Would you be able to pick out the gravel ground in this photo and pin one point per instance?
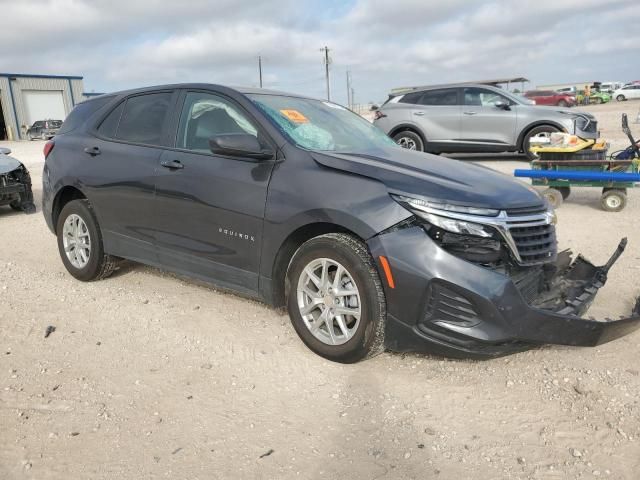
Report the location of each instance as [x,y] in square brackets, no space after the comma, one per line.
[148,375]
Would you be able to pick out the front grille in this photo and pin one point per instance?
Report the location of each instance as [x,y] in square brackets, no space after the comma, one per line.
[515,212]
[535,244]
[445,305]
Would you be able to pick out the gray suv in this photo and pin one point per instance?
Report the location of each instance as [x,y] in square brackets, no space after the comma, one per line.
[473,118]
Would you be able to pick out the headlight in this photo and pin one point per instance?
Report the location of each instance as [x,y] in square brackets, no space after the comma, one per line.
[436,214]
[456,226]
[445,207]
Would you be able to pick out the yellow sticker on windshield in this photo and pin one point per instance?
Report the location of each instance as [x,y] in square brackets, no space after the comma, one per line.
[295,116]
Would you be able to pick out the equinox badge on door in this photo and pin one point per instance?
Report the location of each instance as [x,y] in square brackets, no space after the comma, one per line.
[232,233]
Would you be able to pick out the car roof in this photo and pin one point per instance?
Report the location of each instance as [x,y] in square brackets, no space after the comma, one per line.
[399,92]
[206,86]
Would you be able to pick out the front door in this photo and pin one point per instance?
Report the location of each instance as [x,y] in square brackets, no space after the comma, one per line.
[210,208]
[485,121]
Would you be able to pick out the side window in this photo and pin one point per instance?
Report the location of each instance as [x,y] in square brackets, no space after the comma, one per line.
[205,115]
[82,112]
[143,118]
[413,98]
[444,97]
[481,97]
[109,125]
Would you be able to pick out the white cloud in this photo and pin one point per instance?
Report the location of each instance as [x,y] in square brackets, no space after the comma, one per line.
[126,43]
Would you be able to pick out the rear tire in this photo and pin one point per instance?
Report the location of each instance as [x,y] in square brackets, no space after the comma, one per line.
[409,140]
[620,98]
[81,249]
[565,191]
[532,133]
[554,197]
[349,268]
[613,199]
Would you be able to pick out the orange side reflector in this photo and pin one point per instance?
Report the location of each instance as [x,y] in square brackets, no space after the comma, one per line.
[387,271]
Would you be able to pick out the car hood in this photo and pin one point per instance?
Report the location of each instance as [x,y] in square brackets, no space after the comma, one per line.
[8,164]
[558,111]
[433,177]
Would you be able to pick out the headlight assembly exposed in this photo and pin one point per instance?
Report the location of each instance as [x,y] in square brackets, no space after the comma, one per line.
[424,209]
[456,226]
[419,204]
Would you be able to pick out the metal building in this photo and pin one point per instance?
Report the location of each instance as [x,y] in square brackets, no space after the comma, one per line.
[26,98]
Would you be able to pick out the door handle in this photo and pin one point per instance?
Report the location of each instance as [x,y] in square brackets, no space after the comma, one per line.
[419,113]
[470,113]
[93,151]
[172,164]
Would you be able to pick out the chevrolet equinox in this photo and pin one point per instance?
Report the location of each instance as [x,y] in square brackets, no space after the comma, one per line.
[301,203]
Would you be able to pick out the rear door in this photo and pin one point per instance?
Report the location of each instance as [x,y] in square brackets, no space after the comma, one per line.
[485,123]
[437,113]
[123,161]
[210,207]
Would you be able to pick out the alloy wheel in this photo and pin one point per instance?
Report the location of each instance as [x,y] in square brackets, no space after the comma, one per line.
[76,241]
[407,142]
[329,301]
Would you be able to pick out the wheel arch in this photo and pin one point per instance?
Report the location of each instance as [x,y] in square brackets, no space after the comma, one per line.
[403,127]
[541,123]
[289,246]
[65,195]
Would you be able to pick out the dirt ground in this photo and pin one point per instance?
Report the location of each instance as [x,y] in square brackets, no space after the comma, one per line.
[152,376]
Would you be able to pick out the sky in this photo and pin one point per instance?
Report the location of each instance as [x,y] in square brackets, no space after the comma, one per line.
[119,44]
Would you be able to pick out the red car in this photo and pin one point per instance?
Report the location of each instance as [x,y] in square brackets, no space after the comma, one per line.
[549,97]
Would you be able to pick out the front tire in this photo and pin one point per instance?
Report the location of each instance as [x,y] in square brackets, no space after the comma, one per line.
[80,243]
[620,98]
[335,298]
[409,140]
[548,129]
[562,104]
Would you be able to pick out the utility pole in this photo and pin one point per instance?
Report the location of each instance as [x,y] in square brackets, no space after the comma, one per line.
[260,69]
[326,69]
[349,100]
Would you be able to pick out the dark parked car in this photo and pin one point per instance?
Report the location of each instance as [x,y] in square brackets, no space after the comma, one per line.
[15,183]
[300,202]
[44,129]
[549,97]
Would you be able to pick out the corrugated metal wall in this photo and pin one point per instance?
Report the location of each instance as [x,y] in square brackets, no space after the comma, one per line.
[72,93]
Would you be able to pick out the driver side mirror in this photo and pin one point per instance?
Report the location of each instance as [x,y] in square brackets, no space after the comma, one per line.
[5,151]
[502,105]
[374,108]
[239,145]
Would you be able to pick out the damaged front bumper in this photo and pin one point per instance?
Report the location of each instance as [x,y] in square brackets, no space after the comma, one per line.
[15,190]
[445,305]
